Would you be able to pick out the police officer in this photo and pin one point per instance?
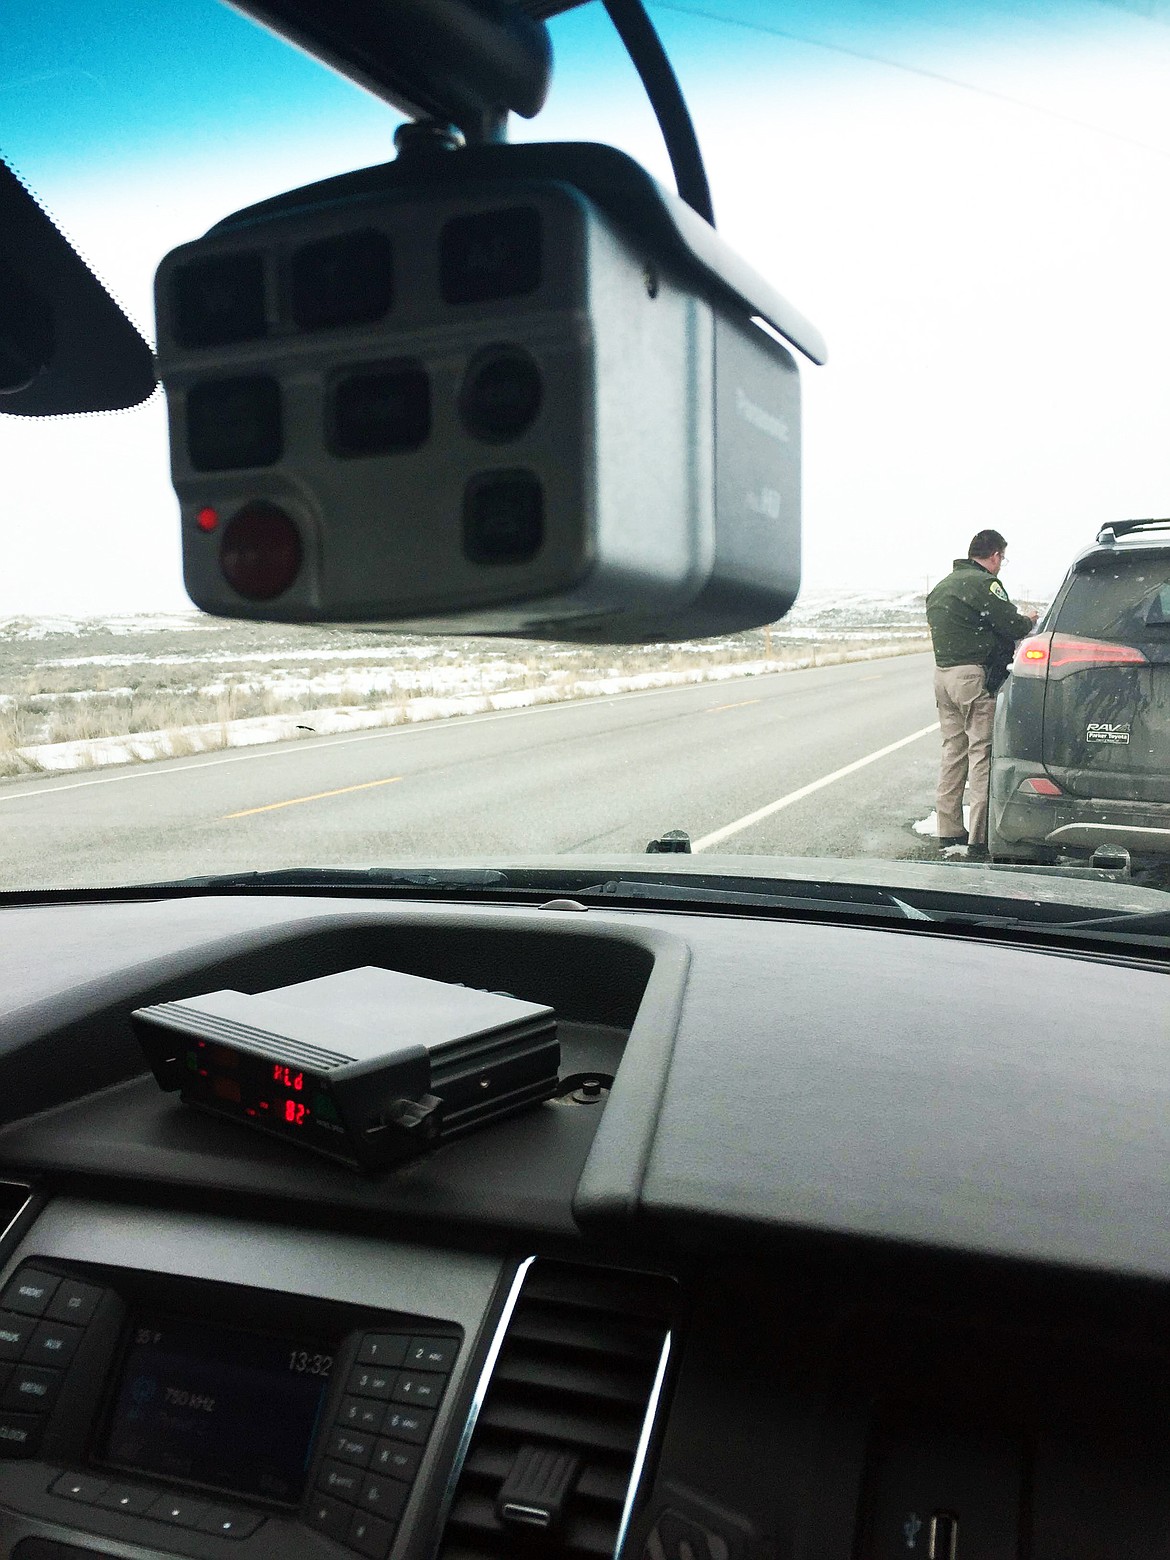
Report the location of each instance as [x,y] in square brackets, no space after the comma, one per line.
[974,628]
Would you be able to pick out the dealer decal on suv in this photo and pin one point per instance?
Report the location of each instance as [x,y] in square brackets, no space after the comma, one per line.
[1107,731]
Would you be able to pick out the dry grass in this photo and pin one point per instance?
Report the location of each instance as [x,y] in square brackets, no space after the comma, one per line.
[70,687]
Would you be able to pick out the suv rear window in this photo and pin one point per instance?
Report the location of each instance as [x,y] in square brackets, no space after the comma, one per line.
[1121,599]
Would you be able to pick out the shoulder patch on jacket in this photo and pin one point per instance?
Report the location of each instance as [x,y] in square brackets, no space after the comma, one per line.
[998,590]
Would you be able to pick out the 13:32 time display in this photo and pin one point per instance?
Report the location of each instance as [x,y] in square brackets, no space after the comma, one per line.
[304,1363]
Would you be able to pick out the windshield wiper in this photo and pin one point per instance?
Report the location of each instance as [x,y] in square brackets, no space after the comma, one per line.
[878,901]
[346,877]
[798,894]
[931,907]
[1155,921]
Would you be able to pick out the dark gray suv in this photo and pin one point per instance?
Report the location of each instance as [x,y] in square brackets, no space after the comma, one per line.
[1081,750]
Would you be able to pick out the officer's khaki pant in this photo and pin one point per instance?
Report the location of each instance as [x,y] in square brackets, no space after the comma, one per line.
[965,712]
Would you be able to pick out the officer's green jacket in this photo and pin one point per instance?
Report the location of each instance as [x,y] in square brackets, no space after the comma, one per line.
[972,622]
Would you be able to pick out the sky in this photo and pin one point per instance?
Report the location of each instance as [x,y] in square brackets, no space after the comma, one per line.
[970,202]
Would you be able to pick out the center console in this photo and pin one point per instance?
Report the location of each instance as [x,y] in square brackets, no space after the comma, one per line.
[253,1393]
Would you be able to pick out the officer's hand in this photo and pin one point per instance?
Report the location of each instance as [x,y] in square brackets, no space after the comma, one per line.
[1033,615]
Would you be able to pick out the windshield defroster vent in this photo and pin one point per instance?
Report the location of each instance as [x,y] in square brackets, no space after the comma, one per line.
[562,1433]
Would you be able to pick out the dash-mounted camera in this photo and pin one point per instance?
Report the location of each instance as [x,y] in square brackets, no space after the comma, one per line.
[499,390]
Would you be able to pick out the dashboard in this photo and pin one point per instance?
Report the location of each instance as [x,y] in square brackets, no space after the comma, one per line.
[837,1241]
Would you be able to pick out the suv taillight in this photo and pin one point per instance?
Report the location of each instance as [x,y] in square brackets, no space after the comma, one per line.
[1032,655]
[1059,655]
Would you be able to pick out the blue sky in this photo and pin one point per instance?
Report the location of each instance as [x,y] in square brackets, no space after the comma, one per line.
[968,201]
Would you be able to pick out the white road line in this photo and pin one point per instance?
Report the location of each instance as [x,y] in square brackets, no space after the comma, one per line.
[717,836]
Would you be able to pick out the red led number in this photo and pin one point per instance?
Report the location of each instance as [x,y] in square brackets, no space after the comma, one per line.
[286,1076]
[295,1113]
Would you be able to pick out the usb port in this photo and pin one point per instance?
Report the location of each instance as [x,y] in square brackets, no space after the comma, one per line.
[943,1542]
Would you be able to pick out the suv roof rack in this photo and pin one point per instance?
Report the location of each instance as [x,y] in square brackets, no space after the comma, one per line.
[1116,529]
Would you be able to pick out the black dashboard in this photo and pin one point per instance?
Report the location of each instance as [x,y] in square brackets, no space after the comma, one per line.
[854,1248]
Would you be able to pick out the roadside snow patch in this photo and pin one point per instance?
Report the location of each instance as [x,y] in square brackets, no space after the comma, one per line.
[142,747]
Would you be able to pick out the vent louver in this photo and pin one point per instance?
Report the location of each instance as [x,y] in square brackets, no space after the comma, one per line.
[575,1376]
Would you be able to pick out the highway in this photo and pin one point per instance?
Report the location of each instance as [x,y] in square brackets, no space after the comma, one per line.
[829,761]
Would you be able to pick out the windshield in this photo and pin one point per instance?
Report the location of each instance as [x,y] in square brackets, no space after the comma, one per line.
[969,203]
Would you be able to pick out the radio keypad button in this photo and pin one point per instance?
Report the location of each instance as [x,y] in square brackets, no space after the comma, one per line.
[432,1353]
[230,1524]
[385,1496]
[127,1497]
[329,1517]
[348,1446]
[52,1343]
[78,1486]
[15,1332]
[372,1381]
[20,1434]
[178,1511]
[30,1292]
[419,1387]
[408,1424]
[74,1302]
[396,1458]
[30,1389]
[387,1349]
[370,1536]
[361,1414]
[340,1479]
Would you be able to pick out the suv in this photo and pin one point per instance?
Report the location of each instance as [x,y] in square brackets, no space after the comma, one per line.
[1081,749]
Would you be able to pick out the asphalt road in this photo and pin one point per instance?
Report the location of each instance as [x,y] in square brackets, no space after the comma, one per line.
[749,766]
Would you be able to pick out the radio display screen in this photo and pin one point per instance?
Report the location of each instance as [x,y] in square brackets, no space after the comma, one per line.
[226,1409]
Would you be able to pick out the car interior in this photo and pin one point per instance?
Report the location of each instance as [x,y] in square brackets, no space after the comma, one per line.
[446,1214]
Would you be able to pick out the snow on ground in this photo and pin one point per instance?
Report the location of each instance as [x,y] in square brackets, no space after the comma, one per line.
[186,674]
[258,657]
[98,752]
[79,627]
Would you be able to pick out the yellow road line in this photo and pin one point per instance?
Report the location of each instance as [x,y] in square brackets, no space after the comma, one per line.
[317,796]
[715,708]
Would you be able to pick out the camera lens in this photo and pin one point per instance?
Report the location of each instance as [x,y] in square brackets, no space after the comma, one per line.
[501,394]
[219,300]
[495,254]
[503,517]
[260,554]
[233,423]
[381,411]
[347,280]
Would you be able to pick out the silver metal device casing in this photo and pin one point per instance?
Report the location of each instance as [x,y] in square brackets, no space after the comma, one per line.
[633,446]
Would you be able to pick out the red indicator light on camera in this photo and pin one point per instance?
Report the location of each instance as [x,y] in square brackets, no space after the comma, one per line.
[207,519]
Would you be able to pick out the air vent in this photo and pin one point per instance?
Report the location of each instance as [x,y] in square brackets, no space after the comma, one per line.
[571,1400]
